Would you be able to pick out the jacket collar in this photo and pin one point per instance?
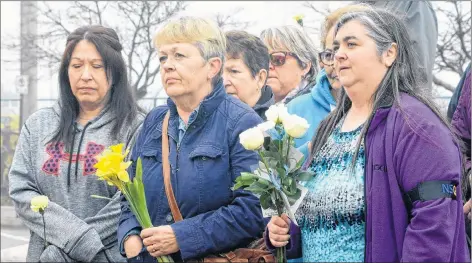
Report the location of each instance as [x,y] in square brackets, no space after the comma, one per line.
[266,99]
[382,111]
[209,105]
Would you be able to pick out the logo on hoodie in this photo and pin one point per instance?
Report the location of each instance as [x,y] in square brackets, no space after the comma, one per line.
[56,155]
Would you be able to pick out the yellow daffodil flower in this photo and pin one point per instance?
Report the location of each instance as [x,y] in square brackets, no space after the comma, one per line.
[39,203]
[299,19]
[111,166]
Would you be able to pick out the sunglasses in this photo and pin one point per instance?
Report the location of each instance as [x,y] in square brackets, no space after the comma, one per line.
[278,58]
[327,57]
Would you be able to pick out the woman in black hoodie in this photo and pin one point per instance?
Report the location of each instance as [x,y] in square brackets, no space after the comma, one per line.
[246,69]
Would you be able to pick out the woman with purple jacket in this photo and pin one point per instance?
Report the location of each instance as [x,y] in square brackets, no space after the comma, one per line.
[385,160]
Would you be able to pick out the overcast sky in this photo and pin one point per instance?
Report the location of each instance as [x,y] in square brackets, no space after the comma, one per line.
[262,14]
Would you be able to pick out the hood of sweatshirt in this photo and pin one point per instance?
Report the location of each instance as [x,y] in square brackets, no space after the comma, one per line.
[321,93]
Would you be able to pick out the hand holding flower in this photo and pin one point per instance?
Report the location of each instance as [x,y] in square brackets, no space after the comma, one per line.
[160,241]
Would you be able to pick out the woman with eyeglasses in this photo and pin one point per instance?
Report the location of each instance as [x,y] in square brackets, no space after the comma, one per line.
[317,104]
[387,166]
[293,65]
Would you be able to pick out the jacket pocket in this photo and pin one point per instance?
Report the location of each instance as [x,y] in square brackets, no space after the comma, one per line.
[211,166]
[152,149]
[205,151]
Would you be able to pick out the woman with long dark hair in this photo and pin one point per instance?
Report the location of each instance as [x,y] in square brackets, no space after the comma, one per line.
[59,145]
[385,160]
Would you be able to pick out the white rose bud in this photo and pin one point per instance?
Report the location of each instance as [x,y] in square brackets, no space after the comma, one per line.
[295,126]
[265,126]
[251,139]
[276,113]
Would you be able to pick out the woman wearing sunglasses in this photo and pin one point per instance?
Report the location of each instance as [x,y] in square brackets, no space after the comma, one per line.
[293,64]
[317,104]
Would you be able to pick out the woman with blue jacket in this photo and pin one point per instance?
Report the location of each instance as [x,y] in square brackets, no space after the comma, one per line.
[317,104]
[205,154]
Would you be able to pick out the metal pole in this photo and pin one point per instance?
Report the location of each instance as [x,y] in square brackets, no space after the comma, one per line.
[28,61]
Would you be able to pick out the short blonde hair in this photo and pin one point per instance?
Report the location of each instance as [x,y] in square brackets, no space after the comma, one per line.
[293,39]
[203,33]
[331,19]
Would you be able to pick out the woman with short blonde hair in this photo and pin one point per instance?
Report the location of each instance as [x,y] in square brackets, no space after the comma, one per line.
[205,155]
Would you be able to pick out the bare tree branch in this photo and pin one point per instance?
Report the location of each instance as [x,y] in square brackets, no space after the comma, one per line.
[228,21]
[443,84]
[134,21]
[453,48]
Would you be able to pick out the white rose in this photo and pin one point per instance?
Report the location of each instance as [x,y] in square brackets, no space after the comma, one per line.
[295,126]
[276,113]
[251,139]
[265,126]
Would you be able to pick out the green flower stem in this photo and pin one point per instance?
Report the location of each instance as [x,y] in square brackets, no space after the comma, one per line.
[41,211]
[288,149]
[287,206]
[280,252]
[264,161]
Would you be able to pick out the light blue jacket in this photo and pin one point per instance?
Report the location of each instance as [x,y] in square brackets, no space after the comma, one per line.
[313,107]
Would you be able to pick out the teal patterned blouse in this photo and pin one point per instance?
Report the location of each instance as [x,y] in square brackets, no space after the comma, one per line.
[331,216]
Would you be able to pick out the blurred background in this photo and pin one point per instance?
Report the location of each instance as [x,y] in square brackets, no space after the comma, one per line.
[33,36]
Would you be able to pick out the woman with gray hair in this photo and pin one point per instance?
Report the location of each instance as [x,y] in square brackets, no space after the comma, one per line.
[386,163]
[293,62]
[203,150]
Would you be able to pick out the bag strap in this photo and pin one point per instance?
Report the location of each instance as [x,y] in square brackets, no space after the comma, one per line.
[174,208]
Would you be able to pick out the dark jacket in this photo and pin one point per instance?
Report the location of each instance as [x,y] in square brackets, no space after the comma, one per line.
[203,170]
[404,147]
[265,101]
[455,96]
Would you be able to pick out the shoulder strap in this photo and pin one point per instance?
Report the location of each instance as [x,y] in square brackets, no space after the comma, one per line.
[166,171]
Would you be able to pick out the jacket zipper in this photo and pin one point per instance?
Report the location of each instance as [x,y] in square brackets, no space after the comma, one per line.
[365,197]
[365,186]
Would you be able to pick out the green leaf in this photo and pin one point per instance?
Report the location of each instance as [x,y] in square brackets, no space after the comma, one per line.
[101,197]
[139,170]
[304,176]
[273,154]
[265,200]
[281,173]
[244,180]
[273,163]
[256,189]
[294,197]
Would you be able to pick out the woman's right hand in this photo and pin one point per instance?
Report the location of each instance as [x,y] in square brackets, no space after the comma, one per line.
[133,246]
[278,228]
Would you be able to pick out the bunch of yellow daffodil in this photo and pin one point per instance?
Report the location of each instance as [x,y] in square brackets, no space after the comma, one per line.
[112,168]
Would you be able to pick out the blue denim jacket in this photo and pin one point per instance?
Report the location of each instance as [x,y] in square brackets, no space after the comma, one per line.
[203,170]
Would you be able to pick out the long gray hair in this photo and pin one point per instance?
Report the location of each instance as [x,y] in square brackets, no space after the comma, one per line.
[403,76]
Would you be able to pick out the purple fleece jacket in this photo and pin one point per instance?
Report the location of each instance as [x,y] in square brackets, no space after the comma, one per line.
[405,146]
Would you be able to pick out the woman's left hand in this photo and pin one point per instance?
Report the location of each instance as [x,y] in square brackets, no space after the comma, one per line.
[160,241]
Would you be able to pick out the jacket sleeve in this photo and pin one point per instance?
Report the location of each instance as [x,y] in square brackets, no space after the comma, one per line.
[106,220]
[436,229]
[127,221]
[294,245]
[238,223]
[64,230]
